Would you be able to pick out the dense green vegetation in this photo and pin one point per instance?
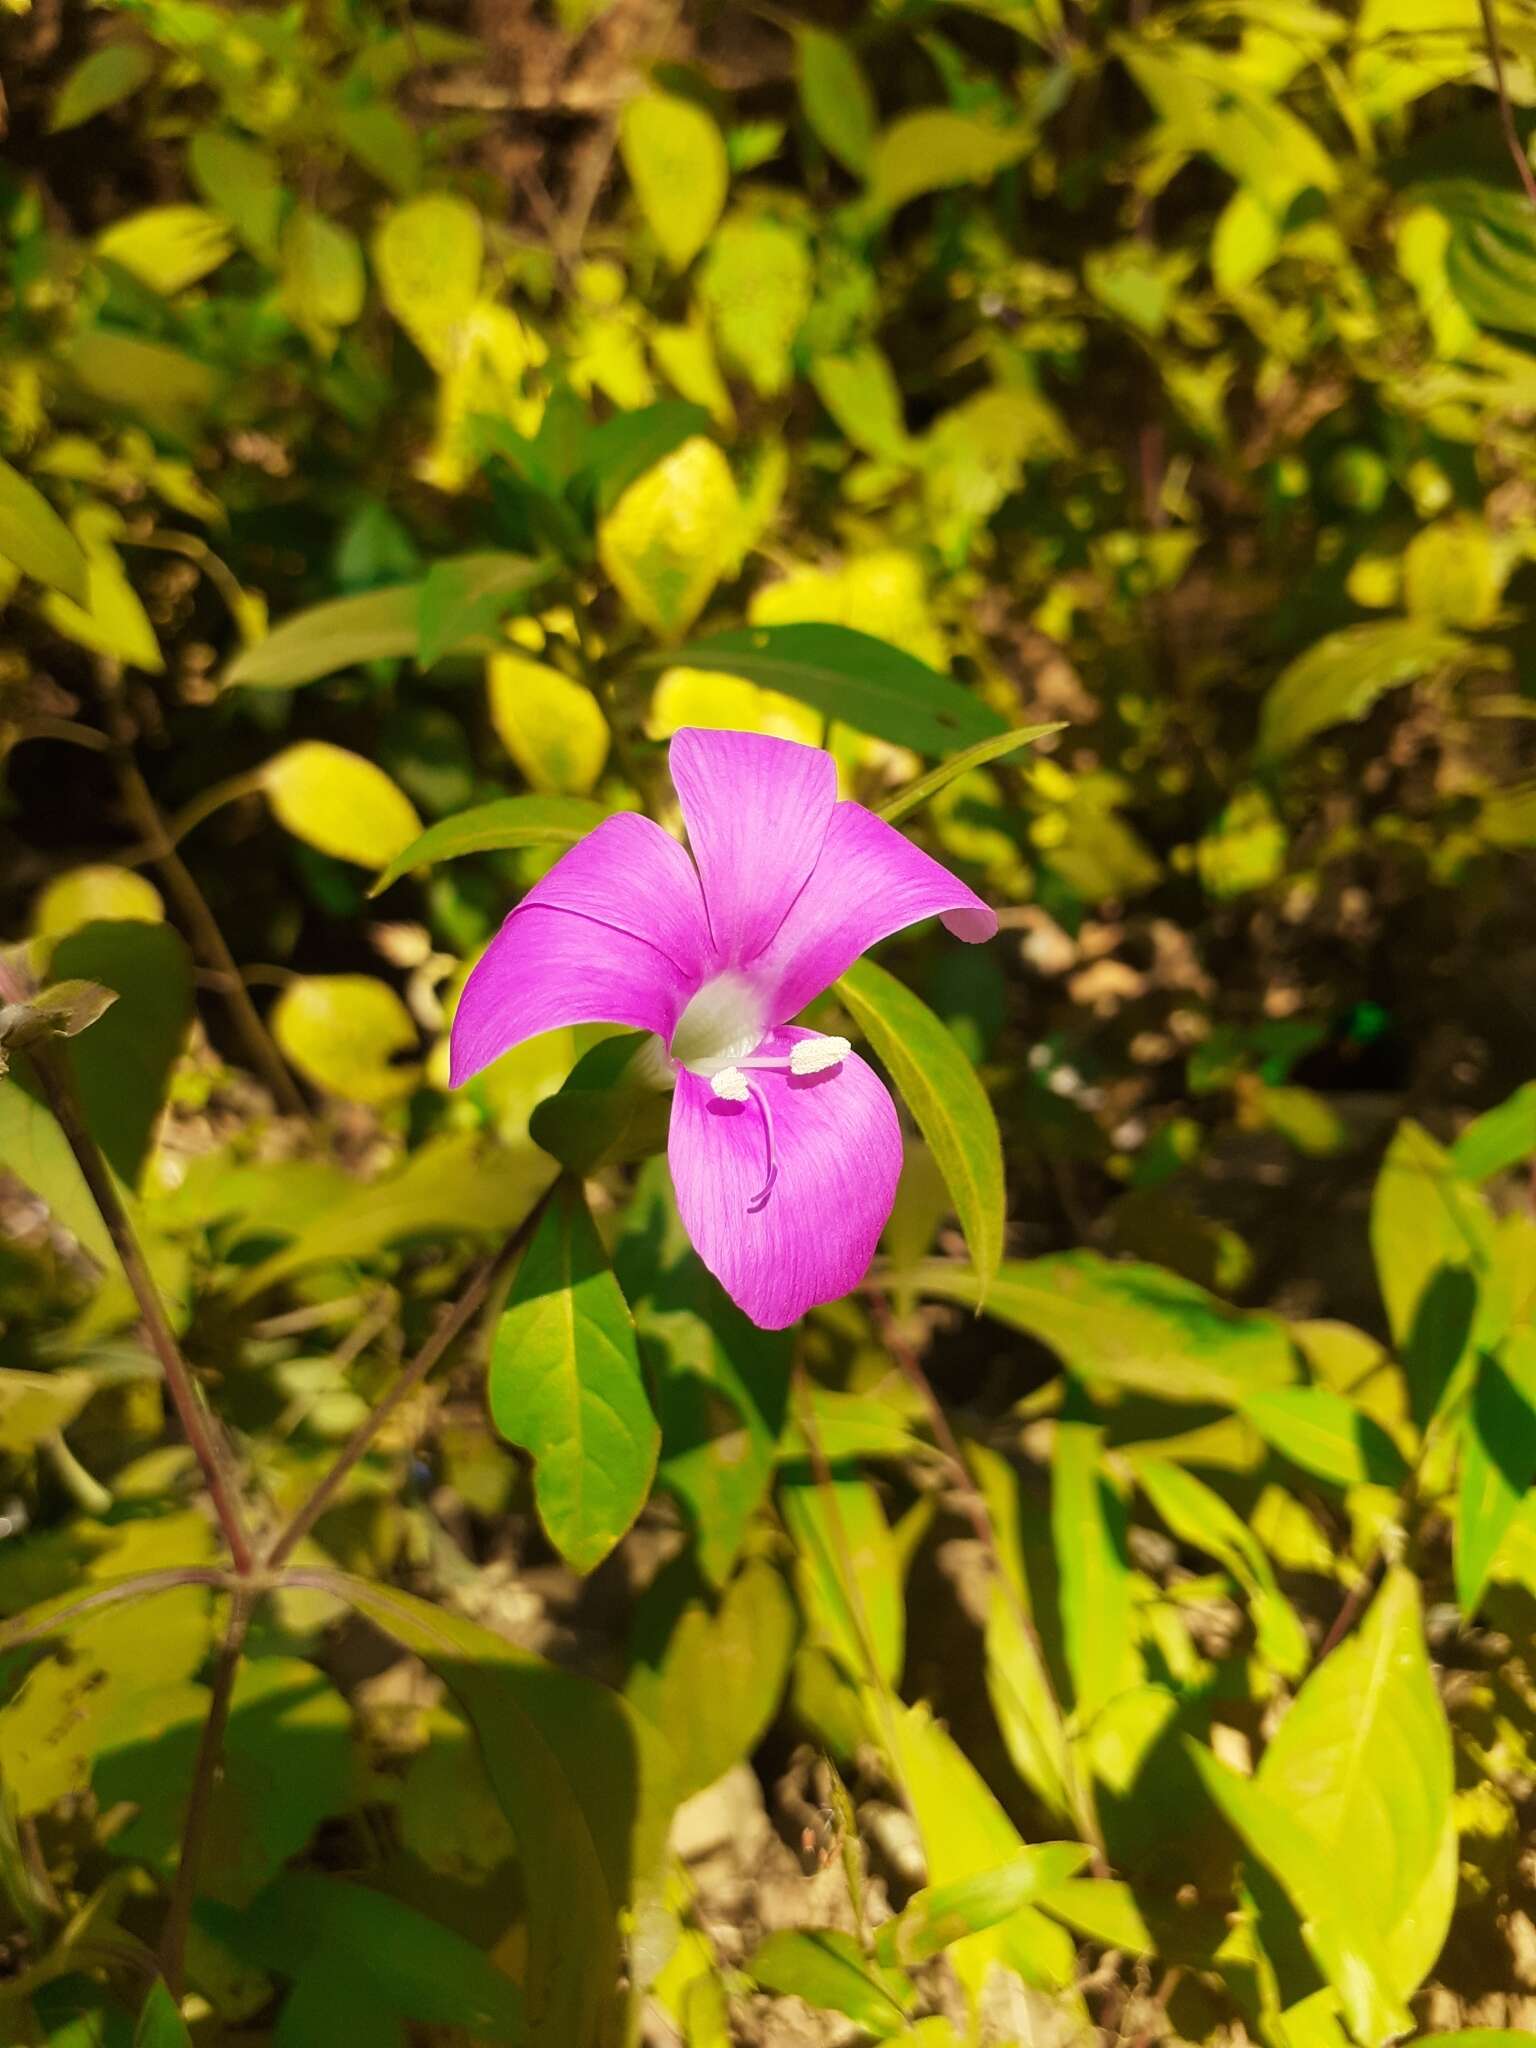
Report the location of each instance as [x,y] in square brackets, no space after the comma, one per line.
[436,1613]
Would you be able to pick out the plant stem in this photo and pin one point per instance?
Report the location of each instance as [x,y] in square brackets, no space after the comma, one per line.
[1506,111]
[192,907]
[194,1833]
[198,1426]
[451,1326]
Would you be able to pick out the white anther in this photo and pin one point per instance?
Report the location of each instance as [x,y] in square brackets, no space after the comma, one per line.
[730,1084]
[815,1055]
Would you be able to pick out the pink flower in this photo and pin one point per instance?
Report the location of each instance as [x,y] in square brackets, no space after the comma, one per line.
[784,1146]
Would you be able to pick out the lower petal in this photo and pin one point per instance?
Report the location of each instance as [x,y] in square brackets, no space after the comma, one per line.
[836,1157]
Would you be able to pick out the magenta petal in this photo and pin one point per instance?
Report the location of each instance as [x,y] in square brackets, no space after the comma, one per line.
[837,1157]
[629,874]
[615,933]
[757,811]
[869,882]
[545,968]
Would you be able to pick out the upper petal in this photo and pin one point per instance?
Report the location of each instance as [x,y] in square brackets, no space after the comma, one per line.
[757,811]
[837,1158]
[615,933]
[631,875]
[869,882]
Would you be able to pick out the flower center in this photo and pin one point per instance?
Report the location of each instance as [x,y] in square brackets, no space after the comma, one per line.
[723,1022]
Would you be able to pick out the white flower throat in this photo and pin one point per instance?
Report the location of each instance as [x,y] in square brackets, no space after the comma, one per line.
[717,1038]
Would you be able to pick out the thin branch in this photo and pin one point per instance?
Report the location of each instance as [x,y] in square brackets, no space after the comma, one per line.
[1506,111]
[205,1772]
[199,1427]
[192,907]
[451,1326]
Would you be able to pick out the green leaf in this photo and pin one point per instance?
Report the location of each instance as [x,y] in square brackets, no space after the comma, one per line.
[1342,675]
[468,595]
[323,284]
[1424,1218]
[827,1969]
[718,1675]
[1325,1434]
[1499,1139]
[561,1754]
[556,821]
[1088,1533]
[1363,1763]
[935,148]
[1197,1515]
[1327,1902]
[940,1087]
[244,184]
[625,447]
[35,540]
[166,247]
[123,1064]
[1498,1462]
[33,1405]
[342,633]
[565,1386]
[859,389]
[849,676]
[917,793]
[1490,256]
[100,80]
[840,1528]
[160,2022]
[934,1919]
[305,1924]
[835,96]
[676,160]
[37,1152]
[287,1752]
[604,1112]
[1123,1324]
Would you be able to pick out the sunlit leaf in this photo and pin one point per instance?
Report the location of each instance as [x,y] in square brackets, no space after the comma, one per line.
[339,802]
[35,539]
[346,1033]
[1342,675]
[565,1386]
[555,821]
[941,1089]
[103,78]
[827,1969]
[851,676]
[835,96]
[675,157]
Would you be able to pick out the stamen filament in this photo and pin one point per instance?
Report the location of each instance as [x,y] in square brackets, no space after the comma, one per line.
[771,1168]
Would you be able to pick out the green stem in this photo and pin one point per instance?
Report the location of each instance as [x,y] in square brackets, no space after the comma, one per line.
[194,1834]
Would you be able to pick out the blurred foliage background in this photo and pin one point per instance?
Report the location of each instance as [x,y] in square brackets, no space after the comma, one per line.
[410,415]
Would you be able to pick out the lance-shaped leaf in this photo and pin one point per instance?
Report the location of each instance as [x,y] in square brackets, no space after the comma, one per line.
[850,676]
[564,1760]
[916,794]
[35,539]
[940,1087]
[507,821]
[935,1918]
[827,1969]
[1088,1527]
[160,2022]
[1363,1763]
[1317,1429]
[1198,1516]
[565,1385]
[1498,1462]
[1345,1947]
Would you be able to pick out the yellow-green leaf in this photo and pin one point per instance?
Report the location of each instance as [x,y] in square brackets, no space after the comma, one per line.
[35,540]
[166,247]
[85,895]
[675,157]
[339,802]
[553,729]
[428,256]
[671,537]
[345,1032]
